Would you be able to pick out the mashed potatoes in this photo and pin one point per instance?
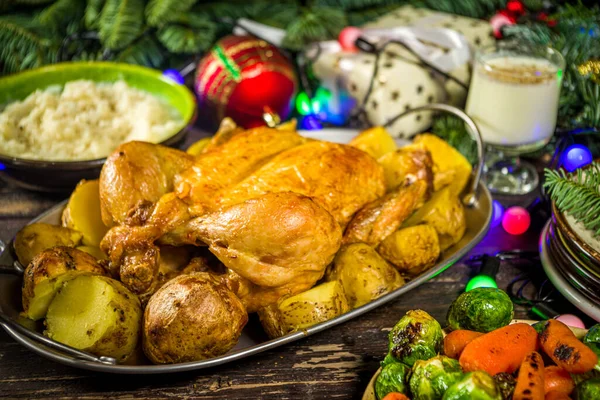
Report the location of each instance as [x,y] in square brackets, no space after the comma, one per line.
[84,121]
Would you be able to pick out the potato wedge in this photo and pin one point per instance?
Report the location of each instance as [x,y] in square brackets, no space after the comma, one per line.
[445,213]
[198,147]
[406,165]
[93,251]
[82,213]
[290,125]
[47,272]
[364,275]
[95,314]
[35,238]
[319,304]
[192,317]
[411,250]
[450,168]
[375,141]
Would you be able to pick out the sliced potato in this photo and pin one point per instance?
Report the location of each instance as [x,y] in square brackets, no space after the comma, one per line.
[95,314]
[83,213]
[93,251]
[198,147]
[364,275]
[35,238]
[445,213]
[449,166]
[411,250]
[46,274]
[192,317]
[375,141]
[288,125]
[406,165]
[319,304]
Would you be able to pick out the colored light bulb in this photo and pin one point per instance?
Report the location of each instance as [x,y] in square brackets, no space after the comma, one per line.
[303,105]
[576,156]
[480,281]
[497,212]
[571,320]
[310,123]
[516,220]
[174,75]
[347,37]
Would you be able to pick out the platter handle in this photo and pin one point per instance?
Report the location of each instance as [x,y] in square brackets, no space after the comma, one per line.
[470,198]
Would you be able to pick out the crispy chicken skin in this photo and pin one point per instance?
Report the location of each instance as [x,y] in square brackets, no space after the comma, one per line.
[134,177]
[340,178]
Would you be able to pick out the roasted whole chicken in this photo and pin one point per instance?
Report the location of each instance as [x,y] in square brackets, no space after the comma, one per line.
[270,204]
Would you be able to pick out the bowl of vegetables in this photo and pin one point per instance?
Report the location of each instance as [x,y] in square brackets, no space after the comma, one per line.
[485,354]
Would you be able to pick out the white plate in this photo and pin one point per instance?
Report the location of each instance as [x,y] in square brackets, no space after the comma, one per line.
[561,284]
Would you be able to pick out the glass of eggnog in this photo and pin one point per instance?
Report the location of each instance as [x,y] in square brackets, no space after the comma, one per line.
[513,99]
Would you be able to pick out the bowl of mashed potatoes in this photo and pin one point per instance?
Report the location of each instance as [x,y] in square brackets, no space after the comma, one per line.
[59,123]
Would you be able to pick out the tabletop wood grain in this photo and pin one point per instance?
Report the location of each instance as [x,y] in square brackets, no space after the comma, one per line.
[337,363]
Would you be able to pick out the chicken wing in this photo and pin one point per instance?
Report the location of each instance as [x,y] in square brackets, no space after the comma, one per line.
[380,218]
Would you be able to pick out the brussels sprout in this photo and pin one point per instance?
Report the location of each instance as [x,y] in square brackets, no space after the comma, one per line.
[588,390]
[592,339]
[417,336]
[539,326]
[431,378]
[476,385]
[481,310]
[506,384]
[389,358]
[392,378]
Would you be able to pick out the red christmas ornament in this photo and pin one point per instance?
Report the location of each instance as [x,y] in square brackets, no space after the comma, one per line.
[515,7]
[243,77]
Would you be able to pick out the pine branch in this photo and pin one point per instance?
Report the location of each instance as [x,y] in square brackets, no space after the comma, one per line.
[358,4]
[145,51]
[24,44]
[121,22]
[160,12]
[188,33]
[58,16]
[468,8]
[362,16]
[318,23]
[93,9]
[577,193]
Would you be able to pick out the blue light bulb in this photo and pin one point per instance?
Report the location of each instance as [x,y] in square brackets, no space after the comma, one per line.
[174,75]
[576,156]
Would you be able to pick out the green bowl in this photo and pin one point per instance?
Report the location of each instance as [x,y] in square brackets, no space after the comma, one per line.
[61,176]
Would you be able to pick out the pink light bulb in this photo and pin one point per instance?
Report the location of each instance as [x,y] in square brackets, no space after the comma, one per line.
[516,220]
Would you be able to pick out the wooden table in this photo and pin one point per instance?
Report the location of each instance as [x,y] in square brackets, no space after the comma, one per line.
[337,363]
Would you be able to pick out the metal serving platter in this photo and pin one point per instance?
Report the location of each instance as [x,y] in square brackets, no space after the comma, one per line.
[253,340]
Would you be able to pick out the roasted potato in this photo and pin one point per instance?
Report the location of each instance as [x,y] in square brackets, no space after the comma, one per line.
[35,238]
[319,304]
[411,250]
[47,272]
[364,275]
[406,165]
[446,214]
[192,317]
[450,168]
[95,314]
[198,147]
[375,141]
[82,213]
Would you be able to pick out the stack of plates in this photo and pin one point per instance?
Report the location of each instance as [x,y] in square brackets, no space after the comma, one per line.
[572,263]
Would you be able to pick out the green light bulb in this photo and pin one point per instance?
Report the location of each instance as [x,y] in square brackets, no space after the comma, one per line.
[481,281]
[303,104]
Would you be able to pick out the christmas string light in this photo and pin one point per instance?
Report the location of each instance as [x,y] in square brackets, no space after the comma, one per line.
[576,156]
